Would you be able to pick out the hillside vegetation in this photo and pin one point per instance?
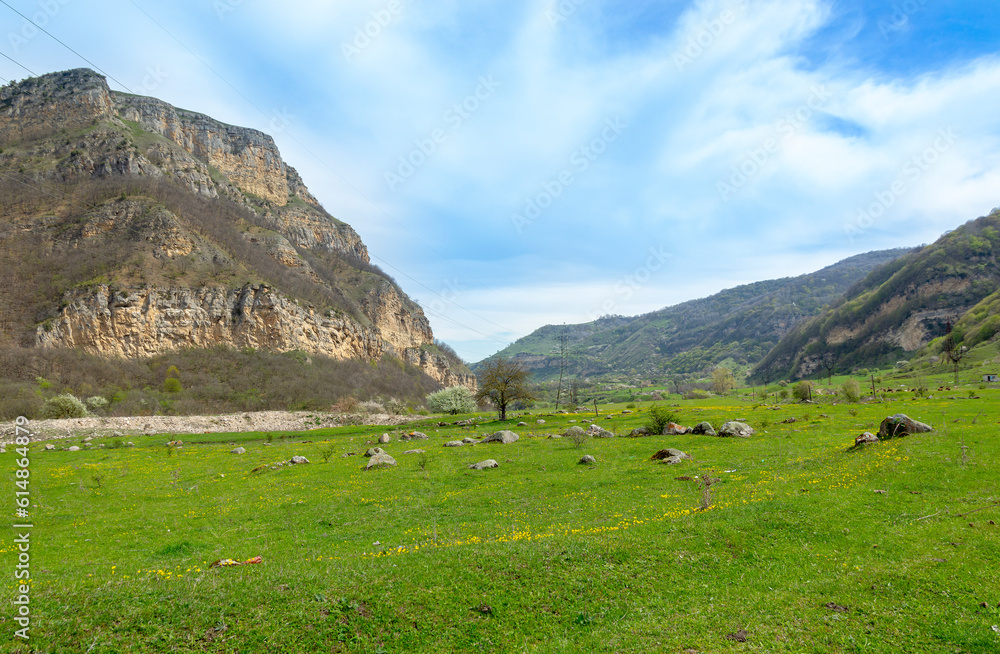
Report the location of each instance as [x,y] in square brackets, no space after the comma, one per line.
[740,325]
[900,307]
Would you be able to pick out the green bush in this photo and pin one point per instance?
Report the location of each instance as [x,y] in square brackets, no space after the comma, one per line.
[697,394]
[802,391]
[851,390]
[96,402]
[172,385]
[457,399]
[659,416]
[64,406]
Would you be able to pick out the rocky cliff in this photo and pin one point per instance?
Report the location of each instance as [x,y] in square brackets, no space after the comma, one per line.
[199,233]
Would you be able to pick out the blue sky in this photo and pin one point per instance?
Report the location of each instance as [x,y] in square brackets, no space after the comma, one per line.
[528,162]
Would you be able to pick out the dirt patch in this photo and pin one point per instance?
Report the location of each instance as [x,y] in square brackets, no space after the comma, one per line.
[238,422]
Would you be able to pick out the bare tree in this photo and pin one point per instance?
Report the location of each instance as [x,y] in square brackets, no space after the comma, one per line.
[953,350]
[502,382]
[829,361]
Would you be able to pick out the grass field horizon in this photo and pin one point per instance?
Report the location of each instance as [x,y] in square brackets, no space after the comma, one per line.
[807,545]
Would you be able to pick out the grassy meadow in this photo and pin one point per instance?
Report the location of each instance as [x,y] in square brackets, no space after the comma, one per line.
[805,546]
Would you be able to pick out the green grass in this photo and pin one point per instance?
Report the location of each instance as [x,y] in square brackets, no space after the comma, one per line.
[539,555]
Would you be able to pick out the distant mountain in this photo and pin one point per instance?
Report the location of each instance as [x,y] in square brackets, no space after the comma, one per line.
[900,307]
[738,325]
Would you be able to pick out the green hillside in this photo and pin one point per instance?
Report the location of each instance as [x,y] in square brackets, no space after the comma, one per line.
[739,325]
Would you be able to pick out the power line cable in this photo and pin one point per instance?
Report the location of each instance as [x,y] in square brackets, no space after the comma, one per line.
[49,34]
[325,164]
[33,74]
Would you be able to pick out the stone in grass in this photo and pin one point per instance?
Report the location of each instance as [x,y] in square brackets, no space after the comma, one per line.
[414,452]
[673,429]
[703,429]
[552,436]
[74,448]
[454,444]
[638,432]
[575,430]
[483,465]
[670,456]
[901,425]
[469,440]
[736,429]
[382,460]
[50,446]
[374,451]
[297,460]
[506,437]
[587,460]
[599,432]
[414,436]
[522,424]
[865,439]
[384,438]
[238,450]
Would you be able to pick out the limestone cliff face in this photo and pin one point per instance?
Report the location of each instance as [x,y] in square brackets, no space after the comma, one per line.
[62,101]
[143,321]
[81,130]
[249,158]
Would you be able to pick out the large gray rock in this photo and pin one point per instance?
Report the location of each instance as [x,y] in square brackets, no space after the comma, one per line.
[469,440]
[238,450]
[50,446]
[384,438]
[735,429]
[374,451]
[74,448]
[599,432]
[673,429]
[454,444]
[587,460]
[483,465]
[382,460]
[414,436]
[638,432]
[414,452]
[298,460]
[575,430]
[670,455]
[865,439]
[506,437]
[703,429]
[901,425]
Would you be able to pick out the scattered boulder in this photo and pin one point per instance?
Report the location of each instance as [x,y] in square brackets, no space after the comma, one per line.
[573,431]
[238,450]
[638,432]
[414,436]
[74,448]
[130,444]
[789,421]
[599,432]
[297,460]
[454,444]
[540,421]
[381,460]
[704,429]
[483,465]
[736,429]
[865,438]
[522,424]
[673,429]
[414,452]
[50,446]
[469,440]
[901,425]
[384,438]
[374,451]
[551,436]
[587,460]
[670,456]
[506,437]
[627,411]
